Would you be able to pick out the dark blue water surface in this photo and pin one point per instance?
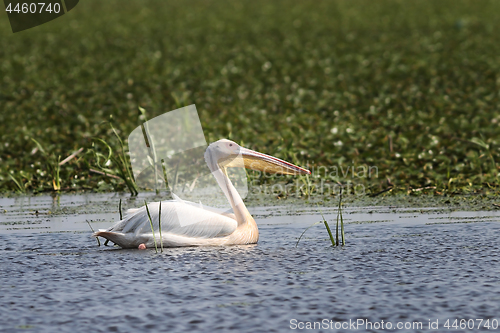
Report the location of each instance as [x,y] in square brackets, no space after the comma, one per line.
[401,267]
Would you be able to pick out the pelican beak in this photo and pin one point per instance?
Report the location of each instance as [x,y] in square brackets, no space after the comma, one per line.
[251,159]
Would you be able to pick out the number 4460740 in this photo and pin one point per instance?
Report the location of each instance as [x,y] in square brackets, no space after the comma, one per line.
[471,324]
[34,8]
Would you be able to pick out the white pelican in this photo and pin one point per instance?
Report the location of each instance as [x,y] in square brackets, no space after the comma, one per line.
[214,227]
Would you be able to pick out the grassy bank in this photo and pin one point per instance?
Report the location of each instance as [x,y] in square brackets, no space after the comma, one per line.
[408,89]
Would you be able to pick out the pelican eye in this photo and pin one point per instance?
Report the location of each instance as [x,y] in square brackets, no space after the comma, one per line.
[230,145]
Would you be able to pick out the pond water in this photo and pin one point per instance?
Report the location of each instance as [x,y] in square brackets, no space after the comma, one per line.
[401,270]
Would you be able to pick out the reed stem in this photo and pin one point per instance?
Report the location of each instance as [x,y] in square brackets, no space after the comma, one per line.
[329,232]
[312,225]
[327,228]
[151,223]
[159,226]
[98,241]
[120,209]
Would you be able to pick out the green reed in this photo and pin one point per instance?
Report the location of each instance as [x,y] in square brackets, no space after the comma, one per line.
[159,227]
[335,241]
[122,169]
[98,241]
[151,223]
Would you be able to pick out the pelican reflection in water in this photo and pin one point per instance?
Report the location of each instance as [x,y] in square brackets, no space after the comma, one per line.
[212,227]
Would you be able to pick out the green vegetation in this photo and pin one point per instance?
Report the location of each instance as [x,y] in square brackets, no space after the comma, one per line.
[410,89]
[121,170]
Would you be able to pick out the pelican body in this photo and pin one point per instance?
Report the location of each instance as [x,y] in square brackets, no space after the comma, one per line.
[213,227]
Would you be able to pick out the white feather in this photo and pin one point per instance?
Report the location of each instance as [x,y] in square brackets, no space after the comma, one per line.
[211,223]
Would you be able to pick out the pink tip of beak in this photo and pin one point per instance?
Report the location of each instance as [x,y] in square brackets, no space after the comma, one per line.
[142,247]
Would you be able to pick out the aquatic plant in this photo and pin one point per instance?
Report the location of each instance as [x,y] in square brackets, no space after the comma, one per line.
[53,165]
[385,94]
[20,188]
[307,188]
[93,231]
[152,157]
[159,227]
[329,231]
[151,223]
[487,148]
[120,209]
[303,232]
[339,214]
[327,226]
[121,218]
[122,169]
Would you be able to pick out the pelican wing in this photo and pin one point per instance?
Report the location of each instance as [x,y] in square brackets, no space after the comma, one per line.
[178,217]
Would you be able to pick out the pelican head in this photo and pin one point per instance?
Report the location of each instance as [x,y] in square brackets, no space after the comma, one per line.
[228,154]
